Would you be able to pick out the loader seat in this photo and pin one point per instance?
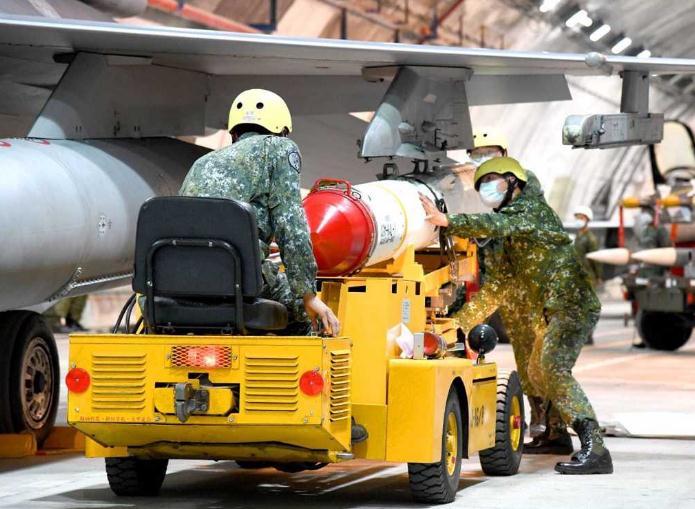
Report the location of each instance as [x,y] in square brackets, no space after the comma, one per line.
[198,264]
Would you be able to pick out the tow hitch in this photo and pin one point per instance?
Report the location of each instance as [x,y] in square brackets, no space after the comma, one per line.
[189,400]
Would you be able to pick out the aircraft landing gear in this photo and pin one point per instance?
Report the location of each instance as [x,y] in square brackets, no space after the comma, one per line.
[29,374]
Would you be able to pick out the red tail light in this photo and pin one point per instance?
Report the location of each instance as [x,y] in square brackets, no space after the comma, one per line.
[311,383]
[435,345]
[185,356]
[77,380]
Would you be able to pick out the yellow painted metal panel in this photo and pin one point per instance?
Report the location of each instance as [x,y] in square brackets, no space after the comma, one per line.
[418,390]
[368,307]
[93,449]
[373,418]
[483,408]
[132,379]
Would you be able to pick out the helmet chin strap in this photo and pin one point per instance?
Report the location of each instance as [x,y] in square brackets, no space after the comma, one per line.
[511,186]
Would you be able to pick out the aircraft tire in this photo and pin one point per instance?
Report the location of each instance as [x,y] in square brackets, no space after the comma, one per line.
[30,362]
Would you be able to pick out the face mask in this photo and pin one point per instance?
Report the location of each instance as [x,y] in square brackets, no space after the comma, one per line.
[490,195]
[578,224]
[480,159]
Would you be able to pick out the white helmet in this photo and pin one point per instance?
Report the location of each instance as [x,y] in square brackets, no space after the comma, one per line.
[585,211]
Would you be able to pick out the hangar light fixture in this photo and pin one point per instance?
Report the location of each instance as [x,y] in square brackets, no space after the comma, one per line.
[621,45]
[581,17]
[645,53]
[549,5]
[600,32]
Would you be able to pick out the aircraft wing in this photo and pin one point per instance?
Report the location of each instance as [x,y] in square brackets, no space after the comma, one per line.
[172,81]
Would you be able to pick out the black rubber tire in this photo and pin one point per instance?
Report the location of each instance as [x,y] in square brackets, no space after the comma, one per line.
[663,331]
[28,332]
[10,322]
[135,477]
[503,459]
[430,483]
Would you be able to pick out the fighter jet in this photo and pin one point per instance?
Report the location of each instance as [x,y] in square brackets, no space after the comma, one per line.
[91,111]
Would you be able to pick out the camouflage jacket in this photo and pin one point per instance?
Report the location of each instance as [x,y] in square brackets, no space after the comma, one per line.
[263,170]
[651,236]
[531,260]
[585,242]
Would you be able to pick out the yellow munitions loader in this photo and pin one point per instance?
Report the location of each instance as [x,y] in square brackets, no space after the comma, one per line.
[208,374]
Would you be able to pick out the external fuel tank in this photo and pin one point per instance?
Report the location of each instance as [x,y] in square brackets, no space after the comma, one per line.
[68,211]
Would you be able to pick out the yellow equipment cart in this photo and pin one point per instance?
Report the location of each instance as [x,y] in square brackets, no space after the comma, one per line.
[198,379]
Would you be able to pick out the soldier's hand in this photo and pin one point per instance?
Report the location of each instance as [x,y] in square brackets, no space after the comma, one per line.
[432,213]
[318,310]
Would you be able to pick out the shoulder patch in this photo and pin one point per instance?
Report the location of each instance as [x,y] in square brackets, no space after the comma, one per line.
[295,160]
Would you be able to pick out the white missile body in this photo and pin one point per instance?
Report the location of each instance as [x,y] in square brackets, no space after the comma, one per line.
[615,256]
[665,256]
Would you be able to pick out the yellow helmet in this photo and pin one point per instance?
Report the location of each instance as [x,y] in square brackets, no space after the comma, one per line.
[489,137]
[260,107]
[500,165]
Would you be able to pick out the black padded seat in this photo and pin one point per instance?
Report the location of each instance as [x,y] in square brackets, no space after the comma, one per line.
[198,264]
[259,314]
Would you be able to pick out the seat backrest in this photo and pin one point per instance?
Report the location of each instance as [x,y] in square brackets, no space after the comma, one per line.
[208,269]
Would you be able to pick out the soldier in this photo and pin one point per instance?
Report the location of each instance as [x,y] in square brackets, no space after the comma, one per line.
[584,243]
[536,255]
[488,143]
[649,235]
[262,167]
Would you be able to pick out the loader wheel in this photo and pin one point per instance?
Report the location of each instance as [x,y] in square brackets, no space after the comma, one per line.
[135,477]
[437,483]
[504,458]
[663,331]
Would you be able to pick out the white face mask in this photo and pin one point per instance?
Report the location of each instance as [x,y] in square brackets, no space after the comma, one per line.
[490,195]
[479,159]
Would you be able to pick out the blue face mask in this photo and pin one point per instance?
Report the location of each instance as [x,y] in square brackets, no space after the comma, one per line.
[490,195]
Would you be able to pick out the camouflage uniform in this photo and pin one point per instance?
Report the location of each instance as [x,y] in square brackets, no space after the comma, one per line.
[543,293]
[650,236]
[585,242]
[263,170]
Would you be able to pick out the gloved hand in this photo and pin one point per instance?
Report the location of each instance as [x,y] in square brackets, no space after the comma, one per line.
[317,309]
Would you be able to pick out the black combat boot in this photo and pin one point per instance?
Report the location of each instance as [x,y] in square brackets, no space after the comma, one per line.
[593,457]
[560,444]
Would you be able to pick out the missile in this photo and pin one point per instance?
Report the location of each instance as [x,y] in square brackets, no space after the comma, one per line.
[615,256]
[69,211]
[359,226]
[665,256]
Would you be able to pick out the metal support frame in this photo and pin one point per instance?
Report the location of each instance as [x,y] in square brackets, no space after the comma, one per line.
[635,93]
[423,114]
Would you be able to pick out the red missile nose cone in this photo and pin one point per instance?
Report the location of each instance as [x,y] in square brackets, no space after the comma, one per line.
[342,231]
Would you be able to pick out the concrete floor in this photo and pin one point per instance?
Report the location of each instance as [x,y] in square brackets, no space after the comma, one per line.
[647,391]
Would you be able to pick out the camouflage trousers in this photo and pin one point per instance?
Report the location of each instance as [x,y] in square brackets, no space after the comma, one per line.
[276,287]
[72,307]
[546,347]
